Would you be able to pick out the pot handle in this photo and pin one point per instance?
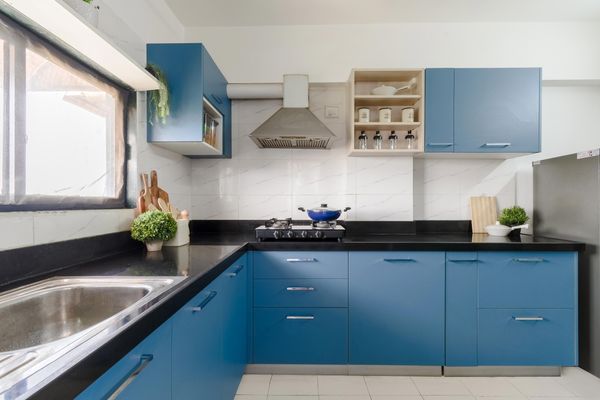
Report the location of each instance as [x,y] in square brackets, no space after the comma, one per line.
[347,209]
[302,209]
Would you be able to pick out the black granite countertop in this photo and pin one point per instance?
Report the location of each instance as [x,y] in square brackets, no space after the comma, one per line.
[210,253]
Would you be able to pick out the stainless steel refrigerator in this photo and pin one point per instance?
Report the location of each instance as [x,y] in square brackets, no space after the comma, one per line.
[566,206]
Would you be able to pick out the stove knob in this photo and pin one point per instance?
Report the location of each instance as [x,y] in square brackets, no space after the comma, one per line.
[303,234]
[289,234]
[318,234]
[277,234]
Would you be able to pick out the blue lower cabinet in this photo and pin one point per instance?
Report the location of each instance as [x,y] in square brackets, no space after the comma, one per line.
[461,308]
[300,264]
[197,346]
[149,364]
[301,293]
[235,326]
[396,308]
[527,337]
[301,335]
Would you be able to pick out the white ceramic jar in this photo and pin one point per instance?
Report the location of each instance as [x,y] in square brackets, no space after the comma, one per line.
[408,114]
[385,115]
[364,114]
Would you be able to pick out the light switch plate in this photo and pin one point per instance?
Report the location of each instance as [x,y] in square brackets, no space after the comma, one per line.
[332,112]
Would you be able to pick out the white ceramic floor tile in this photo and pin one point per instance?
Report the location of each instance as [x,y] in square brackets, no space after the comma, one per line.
[293,385]
[391,385]
[443,397]
[342,385]
[581,383]
[440,386]
[540,386]
[294,397]
[345,397]
[254,384]
[395,397]
[250,397]
[491,387]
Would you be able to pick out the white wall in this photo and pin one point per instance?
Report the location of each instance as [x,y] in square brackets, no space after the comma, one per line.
[19,229]
[328,53]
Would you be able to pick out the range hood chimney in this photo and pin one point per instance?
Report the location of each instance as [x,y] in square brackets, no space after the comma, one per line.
[294,126]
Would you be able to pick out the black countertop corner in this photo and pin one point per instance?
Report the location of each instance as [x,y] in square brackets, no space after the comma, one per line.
[210,253]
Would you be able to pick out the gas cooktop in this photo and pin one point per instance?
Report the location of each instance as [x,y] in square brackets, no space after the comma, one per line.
[284,229]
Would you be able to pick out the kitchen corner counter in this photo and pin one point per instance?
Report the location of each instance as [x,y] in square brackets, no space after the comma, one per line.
[209,255]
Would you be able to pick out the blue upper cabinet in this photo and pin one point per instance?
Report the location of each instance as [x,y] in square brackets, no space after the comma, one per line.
[198,96]
[439,116]
[483,110]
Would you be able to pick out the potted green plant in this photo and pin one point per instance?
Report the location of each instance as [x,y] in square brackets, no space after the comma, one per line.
[513,216]
[158,99]
[153,228]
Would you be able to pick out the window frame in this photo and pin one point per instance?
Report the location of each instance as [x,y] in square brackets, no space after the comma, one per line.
[13,127]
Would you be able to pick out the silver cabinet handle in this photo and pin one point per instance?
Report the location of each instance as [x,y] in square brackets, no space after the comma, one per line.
[399,259]
[462,261]
[293,260]
[496,144]
[529,260]
[129,378]
[528,318]
[236,272]
[205,302]
[300,289]
[440,144]
[300,317]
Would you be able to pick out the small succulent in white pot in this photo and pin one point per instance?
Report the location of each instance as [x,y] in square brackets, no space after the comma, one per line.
[153,228]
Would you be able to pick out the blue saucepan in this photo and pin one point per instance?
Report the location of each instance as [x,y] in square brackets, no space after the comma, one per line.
[323,213]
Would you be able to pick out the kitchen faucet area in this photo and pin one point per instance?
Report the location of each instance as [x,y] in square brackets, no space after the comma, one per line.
[315,200]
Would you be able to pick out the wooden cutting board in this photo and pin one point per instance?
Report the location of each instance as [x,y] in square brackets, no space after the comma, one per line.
[484,212]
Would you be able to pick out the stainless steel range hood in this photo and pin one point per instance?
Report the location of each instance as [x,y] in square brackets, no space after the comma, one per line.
[294,125]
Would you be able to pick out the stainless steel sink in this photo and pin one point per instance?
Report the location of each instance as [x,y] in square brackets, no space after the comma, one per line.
[51,317]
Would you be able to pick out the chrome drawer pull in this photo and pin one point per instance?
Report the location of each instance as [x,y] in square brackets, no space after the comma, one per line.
[440,144]
[399,259]
[528,318]
[496,144]
[205,302]
[291,260]
[462,261]
[236,272]
[528,260]
[130,377]
[300,317]
[300,289]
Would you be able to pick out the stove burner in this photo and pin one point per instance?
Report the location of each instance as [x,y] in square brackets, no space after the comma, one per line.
[324,224]
[279,223]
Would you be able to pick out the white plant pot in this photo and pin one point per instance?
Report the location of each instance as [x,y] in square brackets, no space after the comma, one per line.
[154,245]
[182,237]
[89,12]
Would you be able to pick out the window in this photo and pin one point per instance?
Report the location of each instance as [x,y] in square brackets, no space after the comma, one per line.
[62,140]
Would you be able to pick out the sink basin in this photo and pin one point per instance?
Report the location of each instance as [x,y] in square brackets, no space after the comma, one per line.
[58,308]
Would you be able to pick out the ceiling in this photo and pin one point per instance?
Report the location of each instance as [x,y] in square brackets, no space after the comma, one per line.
[211,13]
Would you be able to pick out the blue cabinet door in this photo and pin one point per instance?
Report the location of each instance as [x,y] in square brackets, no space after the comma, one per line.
[197,346]
[215,84]
[461,308]
[396,308]
[527,337]
[235,326]
[150,360]
[300,264]
[439,110]
[301,335]
[497,110]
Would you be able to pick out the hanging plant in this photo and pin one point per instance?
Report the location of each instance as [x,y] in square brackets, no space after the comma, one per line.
[159,99]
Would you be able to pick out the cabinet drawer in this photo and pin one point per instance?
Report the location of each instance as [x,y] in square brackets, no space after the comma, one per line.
[527,279]
[527,337]
[300,335]
[300,264]
[301,293]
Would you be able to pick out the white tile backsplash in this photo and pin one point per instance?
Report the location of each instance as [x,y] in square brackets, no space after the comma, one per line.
[262,183]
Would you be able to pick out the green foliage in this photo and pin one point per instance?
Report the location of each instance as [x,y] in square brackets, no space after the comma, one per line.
[88,1]
[159,99]
[153,225]
[513,216]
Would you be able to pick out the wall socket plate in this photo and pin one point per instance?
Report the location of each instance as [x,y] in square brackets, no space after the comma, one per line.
[332,112]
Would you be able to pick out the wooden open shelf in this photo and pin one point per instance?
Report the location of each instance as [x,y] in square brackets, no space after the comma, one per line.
[362,82]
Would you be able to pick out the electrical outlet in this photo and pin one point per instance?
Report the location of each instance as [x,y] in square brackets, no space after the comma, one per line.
[332,112]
